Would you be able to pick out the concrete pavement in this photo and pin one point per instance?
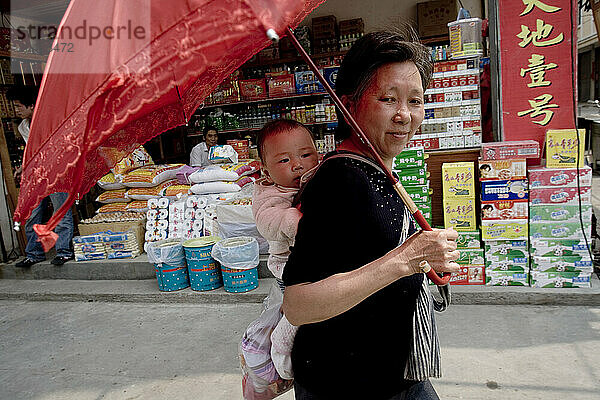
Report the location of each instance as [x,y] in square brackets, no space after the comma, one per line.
[104,350]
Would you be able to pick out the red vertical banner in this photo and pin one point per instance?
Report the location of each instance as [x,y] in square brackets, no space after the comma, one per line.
[537,66]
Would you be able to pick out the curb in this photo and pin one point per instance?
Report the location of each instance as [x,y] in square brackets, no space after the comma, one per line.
[146,291]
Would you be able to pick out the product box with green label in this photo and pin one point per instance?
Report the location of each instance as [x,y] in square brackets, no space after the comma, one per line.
[510,248]
[515,265]
[471,257]
[558,247]
[559,230]
[410,158]
[506,278]
[419,194]
[560,213]
[562,264]
[469,240]
[561,279]
[413,176]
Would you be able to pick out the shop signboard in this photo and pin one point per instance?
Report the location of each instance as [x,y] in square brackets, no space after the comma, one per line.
[537,49]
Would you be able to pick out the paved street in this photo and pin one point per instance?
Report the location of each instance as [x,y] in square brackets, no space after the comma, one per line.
[90,350]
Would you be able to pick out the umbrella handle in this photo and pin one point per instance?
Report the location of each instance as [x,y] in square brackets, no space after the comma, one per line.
[412,208]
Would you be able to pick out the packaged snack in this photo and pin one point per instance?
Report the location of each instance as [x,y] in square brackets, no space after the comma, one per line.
[138,158]
[146,193]
[558,247]
[510,229]
[176,190]
[137,206]
[560,279]
[502,169]
[562,264]
[559,230]
[506,150]
[458,180]
[110,182]
[469,240]
[469,275]
[112,208]
[564,177]
[562,213]
[504,190]
[224,172]
[560,195]
[460,214]
[222,154]
[562,149]
[113,196]
[504,209]
[151,175]
[220,186]
[506,278]
[471,257]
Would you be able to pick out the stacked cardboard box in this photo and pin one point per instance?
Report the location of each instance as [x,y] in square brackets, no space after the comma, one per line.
[560,256]
[504,211]
[471,260]
[411,168]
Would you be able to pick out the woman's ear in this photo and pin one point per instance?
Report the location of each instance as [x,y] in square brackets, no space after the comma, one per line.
[347,102]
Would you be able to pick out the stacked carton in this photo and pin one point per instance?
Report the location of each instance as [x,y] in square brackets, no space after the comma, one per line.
[504,211]
[560,256]
[411,169]
[458,182]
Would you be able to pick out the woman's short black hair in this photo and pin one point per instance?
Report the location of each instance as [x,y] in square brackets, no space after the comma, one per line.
[276,127]
[372,51]
[209,128]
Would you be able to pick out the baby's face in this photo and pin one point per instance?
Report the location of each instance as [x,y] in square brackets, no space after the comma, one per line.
[288,155]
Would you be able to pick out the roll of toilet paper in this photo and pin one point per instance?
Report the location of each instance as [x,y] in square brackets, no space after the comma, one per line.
[202,202]
[162,235]
[200,214]
[150,224]
[162,224]
[153,203]
[149,236]
[190,213]
[162,214]
[163,202]
[191,202]
[152,214]
[197,225]
[195,235]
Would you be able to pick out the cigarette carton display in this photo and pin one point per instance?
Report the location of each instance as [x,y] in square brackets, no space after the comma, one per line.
[560,195]
[508,150]
[560,279]
[411,158]
[559,230]
[511,248]
[510,229]
[561,147]
[460,214]
[562,264]
[469,275]
[559,213]
[506,278]
[504,190]
[558,247]
[504,209]
[502,169]
[413,176]
[458,180]
[471,257]
[564,177]
[469,240]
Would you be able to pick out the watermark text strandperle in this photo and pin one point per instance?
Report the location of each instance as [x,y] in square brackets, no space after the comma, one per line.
[82,32]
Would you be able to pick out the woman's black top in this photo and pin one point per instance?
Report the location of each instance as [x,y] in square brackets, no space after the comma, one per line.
[352,216]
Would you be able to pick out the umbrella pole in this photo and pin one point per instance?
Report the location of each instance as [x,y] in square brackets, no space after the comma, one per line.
[412,208]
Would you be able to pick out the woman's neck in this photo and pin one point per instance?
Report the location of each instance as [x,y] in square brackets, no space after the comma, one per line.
[354,145]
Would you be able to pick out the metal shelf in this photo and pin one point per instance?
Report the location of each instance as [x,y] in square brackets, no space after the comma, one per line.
[297,96]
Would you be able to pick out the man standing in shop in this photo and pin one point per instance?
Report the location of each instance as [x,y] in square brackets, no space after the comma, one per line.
[199,154]
[24,100]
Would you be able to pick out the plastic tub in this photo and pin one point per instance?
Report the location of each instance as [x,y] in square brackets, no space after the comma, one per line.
[465,38]
[239,258]
[203,270]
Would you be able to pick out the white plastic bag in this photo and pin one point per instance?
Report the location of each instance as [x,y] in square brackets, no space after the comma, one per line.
[260,379]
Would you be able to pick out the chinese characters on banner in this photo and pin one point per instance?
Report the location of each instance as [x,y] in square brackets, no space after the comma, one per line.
[537,66]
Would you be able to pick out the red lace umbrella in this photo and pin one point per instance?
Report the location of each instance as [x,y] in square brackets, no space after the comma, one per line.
[122,72]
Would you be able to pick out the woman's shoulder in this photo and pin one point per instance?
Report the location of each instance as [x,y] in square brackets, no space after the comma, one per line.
[346,165]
